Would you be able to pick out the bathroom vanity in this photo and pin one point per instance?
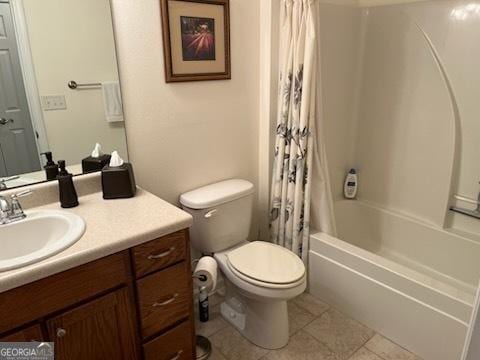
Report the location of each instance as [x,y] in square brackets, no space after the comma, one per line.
[122,291]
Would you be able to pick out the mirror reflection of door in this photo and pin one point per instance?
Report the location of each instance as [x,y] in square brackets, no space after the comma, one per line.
[18,150]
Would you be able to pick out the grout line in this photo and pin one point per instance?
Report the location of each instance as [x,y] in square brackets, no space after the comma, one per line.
[417,357]
[366,341]
[348,317]
[370,351]
[225,356]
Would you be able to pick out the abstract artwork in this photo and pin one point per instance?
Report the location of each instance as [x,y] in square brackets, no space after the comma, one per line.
[198,38]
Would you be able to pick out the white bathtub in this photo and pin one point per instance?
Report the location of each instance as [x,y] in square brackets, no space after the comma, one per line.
[410,281]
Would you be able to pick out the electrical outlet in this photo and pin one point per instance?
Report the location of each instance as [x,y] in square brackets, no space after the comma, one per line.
[54,102]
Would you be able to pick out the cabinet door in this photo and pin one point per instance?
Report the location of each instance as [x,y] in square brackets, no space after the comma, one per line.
[32,333]
[101,329]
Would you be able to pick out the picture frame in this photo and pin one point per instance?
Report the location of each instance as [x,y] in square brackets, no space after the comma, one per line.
[196,40]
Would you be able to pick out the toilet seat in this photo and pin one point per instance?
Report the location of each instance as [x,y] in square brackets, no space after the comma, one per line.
[267,265]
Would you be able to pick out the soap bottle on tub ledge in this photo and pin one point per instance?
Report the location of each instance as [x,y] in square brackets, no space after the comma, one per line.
[350,187]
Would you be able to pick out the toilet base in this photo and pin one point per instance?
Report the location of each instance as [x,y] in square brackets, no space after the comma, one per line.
[264,323]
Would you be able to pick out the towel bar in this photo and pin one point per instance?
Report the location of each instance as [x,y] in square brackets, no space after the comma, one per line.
[74,85]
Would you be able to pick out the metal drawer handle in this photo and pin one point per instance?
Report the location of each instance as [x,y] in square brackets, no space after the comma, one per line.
[176,357]
[166,302]
[162,255]
[61,332]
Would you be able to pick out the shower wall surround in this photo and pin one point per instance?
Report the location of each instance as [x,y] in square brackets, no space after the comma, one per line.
[399,90]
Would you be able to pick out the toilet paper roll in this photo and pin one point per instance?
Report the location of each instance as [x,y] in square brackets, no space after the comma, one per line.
[205,273]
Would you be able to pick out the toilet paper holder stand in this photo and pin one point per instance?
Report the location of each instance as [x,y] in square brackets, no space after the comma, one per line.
[200,277]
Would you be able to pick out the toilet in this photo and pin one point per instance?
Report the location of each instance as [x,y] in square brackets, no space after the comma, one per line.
[260,277]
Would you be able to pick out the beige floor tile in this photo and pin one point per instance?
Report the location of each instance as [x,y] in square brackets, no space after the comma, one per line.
[302,346]
[214,324]
[311,304]
[235,347]
[215,299]
[365,354]
[343,335]
[389,350]
[216,355]
[297,318]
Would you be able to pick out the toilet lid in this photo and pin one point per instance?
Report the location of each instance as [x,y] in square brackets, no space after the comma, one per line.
[267,262]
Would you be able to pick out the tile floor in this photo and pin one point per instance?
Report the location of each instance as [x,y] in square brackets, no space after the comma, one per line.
[317,332]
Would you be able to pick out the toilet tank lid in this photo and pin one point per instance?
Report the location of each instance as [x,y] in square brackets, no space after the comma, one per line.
[216,194]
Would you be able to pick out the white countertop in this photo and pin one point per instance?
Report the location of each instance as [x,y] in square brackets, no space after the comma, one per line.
[112,226]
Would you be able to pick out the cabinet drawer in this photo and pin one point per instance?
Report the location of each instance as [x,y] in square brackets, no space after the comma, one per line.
[32,333]
[174,344]
[164,298]
[160,253]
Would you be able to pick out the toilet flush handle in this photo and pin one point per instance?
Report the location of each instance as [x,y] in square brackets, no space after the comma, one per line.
[209,214]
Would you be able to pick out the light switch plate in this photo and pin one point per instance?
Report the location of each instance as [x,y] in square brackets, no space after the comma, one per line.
[54,102]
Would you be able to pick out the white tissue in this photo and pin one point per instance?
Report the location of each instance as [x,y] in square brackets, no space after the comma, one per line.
[206,267]
[97,152]
[115,160]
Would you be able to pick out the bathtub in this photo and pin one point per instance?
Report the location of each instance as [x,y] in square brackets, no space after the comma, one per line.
[410,281]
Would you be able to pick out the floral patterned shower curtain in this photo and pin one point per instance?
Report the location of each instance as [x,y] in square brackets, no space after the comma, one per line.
[295,138]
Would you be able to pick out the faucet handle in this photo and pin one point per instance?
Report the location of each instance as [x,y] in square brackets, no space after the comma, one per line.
[22,194]
[17,211]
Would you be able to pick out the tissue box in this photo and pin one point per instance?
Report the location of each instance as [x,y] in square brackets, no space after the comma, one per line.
[118,182]
[91,164]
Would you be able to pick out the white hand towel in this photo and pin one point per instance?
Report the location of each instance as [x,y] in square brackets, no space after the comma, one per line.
[112,100]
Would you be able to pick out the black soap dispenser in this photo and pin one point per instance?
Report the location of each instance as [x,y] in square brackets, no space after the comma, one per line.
[118,180]
[96,161]
[51,169]
[68,194]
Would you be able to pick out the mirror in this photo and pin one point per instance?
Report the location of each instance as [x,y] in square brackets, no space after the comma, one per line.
[59,86]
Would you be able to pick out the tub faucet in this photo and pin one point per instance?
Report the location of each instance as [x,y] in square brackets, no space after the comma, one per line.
[12,211]
[472,213]
[478,202]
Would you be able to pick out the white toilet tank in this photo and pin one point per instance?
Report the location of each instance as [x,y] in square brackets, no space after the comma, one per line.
[222,214]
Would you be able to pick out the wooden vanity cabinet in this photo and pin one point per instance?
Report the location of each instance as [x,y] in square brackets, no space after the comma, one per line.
[103,328]
[131,305]
[31,333]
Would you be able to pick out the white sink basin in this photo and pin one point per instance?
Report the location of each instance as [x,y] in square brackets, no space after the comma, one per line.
[40,235]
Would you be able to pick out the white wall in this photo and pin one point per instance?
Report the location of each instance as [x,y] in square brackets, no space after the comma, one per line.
[186,135]
[73,40]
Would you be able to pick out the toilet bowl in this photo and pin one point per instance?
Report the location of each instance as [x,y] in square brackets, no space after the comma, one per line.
[257,306]
[260,277]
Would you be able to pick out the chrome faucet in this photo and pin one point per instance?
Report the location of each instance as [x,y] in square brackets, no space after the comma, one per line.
[12,211]
[4,186]
[478,203]
[472,213]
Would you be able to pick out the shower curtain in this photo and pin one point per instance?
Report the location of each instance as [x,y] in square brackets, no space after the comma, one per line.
[298,150]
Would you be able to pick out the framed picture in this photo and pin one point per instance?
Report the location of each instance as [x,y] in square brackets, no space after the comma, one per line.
[196,39]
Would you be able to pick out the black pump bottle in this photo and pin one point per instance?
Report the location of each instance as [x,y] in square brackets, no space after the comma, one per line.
[51,169]
[68,194]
